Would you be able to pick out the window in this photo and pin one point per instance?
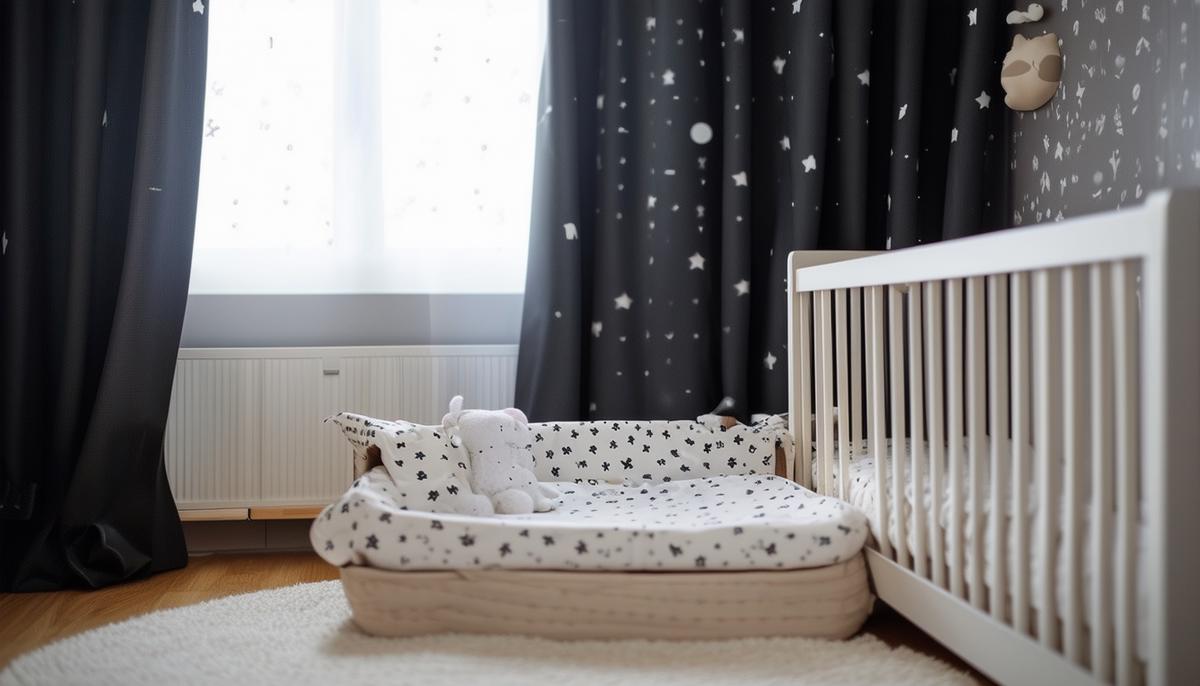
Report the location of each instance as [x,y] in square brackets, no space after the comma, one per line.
[359,146]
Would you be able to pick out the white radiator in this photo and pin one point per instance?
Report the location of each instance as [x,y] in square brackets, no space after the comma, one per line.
[245,426]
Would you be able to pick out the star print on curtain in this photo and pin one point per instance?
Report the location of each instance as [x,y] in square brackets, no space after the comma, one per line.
[684,148]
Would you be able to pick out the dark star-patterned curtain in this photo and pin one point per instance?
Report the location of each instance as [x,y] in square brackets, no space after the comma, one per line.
[684,148]
[100,137]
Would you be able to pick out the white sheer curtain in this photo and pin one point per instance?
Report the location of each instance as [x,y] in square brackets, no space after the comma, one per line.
[367,146]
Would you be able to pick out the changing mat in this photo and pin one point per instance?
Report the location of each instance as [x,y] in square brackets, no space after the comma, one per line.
[731,522]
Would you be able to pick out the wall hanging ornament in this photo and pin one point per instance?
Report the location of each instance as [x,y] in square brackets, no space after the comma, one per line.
[1033,13]
[1032,71]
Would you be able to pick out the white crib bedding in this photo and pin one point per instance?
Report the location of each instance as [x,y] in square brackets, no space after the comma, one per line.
[731,522]
[863,495]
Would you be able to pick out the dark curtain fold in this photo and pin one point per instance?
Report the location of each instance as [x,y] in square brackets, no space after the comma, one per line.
[100,137]
[684,148]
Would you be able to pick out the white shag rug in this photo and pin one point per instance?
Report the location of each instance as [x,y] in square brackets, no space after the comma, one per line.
[304,635]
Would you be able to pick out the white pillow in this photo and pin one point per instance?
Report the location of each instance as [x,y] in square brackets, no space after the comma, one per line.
[432,473]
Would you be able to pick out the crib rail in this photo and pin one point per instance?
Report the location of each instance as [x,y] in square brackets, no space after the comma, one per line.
[1021,395]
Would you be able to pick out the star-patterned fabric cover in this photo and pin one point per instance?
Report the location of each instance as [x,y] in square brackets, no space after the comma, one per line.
[637,495]
[731,522]
[429,472]
[636,452]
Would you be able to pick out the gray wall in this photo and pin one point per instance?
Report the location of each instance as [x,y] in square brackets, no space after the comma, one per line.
[1125,116]
[235,321]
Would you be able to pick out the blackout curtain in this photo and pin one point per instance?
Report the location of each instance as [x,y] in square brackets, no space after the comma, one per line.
[100,131]
[685,147]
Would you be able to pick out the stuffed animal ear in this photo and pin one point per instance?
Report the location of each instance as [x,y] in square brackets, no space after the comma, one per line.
[450,419]
[516,414]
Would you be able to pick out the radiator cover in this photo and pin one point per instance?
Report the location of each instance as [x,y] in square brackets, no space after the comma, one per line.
[245,427]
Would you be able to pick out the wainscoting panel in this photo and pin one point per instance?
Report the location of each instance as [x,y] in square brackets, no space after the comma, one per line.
[245,425]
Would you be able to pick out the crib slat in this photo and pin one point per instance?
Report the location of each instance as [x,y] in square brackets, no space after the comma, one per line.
[1125,394]
[1019,386]
[877,430]
[856,365]
[1102,465]
[818,418]
[933,371]
[825,404]
[803,419]
[1073,399]
[997,287]
[896,386]
[916,406]
[843,393]
[976,433]
[1047,444]
[954,431]
[869,333]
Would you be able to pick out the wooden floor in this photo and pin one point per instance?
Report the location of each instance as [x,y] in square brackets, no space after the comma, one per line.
[29,620]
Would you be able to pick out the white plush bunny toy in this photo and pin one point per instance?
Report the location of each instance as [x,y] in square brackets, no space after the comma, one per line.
[499,442]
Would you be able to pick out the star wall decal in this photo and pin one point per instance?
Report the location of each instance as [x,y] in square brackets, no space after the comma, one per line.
[742,287]
[623,301]
[696,261]
[810,163]
[984,99]
[198,7]
[739,179]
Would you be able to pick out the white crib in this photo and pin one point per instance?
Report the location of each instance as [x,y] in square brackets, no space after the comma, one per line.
[1055,541]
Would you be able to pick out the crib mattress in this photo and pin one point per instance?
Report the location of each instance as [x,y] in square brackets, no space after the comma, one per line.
[720,523]
[863,494]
